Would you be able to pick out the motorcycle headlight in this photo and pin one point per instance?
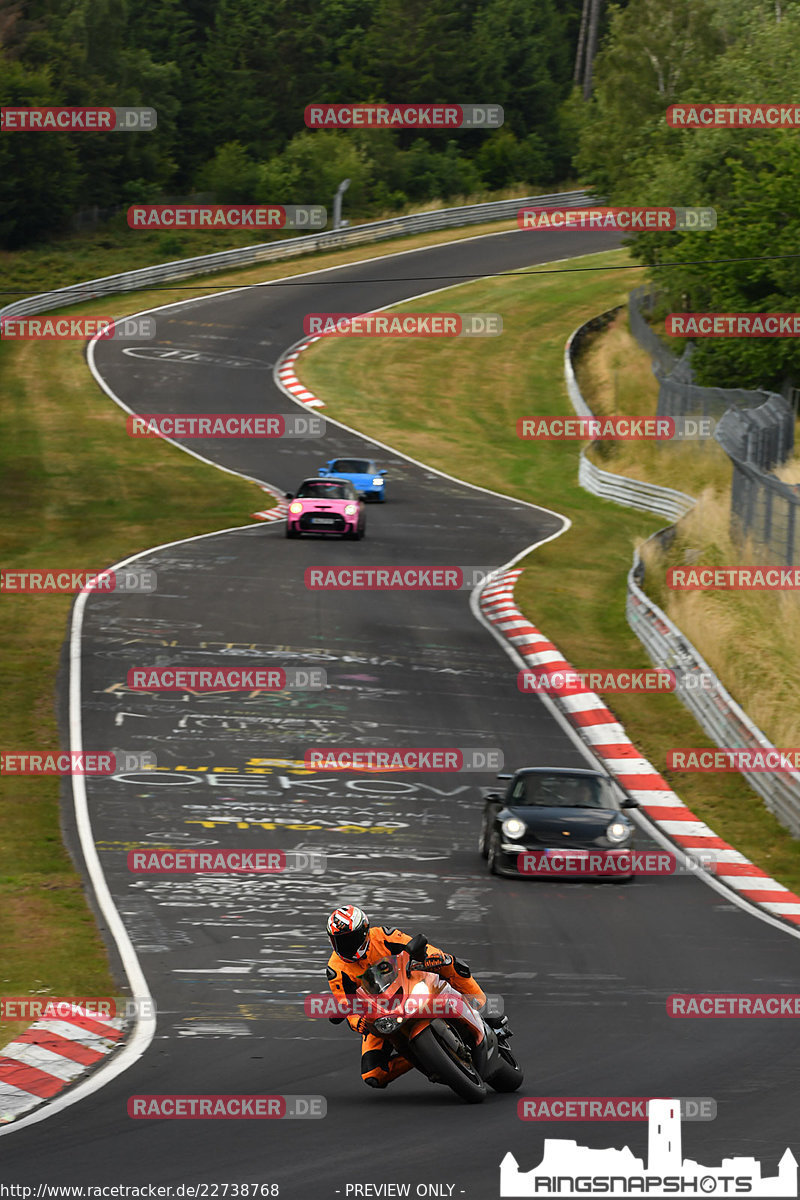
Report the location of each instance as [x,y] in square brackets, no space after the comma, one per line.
[350,510]
[295,507]
[420,989]
[377,481]
[514,828]
[384,1025]
[618,832]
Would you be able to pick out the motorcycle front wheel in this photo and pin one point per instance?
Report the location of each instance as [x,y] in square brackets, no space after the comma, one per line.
[435,1050]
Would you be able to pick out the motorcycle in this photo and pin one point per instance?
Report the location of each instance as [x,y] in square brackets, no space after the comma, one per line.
[402,1003]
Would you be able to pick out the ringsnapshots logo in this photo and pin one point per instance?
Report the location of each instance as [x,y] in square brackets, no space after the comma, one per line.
[567,1169]
[732,324]
[733,579]
[403,758]
[733,116]
[78,120]
[225,862]
[60,329]
[614,428]
[66,580]
[608,1108]
[382,324]
[569,682]
[227,216]
[226,1107]
[225,425]
[226,679]
[75,762]
[403,116]
[400,579]
[625,220]
[68,1008]
[725,760]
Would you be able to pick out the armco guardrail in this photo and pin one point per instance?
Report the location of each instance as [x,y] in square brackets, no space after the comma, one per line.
[632,493]
[711,705]
[374,231]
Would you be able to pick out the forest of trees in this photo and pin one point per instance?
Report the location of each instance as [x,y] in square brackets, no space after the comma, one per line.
[230,80]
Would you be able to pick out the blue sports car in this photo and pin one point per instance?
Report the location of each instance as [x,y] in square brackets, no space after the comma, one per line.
[363,474]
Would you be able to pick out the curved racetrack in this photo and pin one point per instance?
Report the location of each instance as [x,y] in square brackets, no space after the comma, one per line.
[585,969]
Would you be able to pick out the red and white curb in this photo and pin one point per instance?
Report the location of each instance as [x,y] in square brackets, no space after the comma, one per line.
[51,1054]
[287,376]
[600,729]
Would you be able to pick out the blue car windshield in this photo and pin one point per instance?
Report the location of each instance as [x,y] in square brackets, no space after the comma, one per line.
[354,466]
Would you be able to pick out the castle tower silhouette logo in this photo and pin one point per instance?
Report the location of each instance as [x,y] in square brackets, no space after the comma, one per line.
[568,1169]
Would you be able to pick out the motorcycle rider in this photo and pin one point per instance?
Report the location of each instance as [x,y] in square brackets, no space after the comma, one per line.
[357,946]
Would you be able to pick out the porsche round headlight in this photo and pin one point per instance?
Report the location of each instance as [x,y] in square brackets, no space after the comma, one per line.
[295,507]
[618,832]
[377,481]
[350,510]
[514,828]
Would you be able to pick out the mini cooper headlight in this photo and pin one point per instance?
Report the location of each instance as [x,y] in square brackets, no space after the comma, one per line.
[618,832]
[295,507]
[513,827]
[384,1025]
[350,510]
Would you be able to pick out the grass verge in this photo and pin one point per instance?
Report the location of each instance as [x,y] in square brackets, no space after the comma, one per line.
[455,405]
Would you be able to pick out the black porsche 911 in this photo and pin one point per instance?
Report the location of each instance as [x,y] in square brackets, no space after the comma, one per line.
[558,822]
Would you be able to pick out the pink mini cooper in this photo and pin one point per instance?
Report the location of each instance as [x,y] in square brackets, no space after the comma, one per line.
[329,505]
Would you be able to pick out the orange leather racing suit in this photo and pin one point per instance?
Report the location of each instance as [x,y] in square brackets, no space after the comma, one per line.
[380,1064]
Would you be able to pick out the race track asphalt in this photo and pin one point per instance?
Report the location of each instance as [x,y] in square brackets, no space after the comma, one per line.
[584,969]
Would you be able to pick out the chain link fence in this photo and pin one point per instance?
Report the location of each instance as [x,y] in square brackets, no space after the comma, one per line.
[754,428]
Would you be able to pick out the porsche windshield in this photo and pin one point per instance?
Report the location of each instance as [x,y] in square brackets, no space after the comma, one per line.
[354,466]
[563,791]
[322,489]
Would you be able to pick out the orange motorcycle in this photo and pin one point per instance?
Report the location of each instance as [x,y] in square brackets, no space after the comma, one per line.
[434,1027]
